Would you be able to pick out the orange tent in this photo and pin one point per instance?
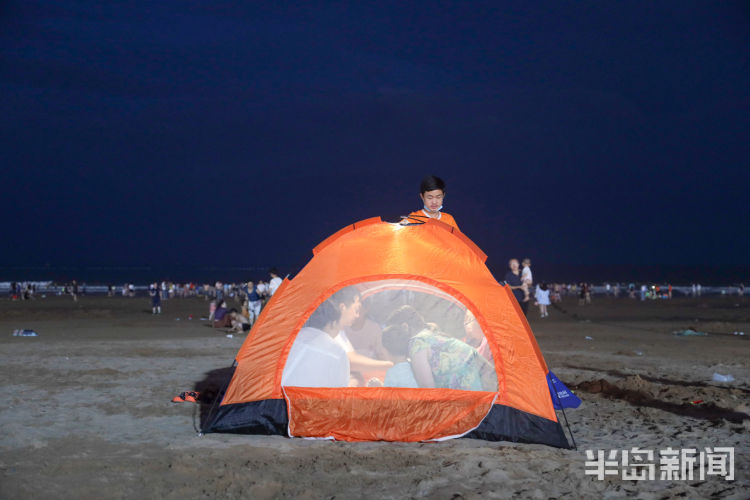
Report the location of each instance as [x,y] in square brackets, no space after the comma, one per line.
[432,267]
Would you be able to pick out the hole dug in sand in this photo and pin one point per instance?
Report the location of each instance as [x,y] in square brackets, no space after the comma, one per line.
[671,398]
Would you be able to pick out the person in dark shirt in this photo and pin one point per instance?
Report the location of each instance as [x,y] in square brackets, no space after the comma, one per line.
[253,300]
[513,279]
[222,319]
[155,293]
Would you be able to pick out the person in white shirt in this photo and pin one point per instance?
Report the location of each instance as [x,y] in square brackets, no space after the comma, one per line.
[526,278]
[275,282]
[316,359]
[542,299]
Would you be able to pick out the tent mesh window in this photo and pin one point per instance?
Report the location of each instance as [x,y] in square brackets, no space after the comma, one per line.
[392,333]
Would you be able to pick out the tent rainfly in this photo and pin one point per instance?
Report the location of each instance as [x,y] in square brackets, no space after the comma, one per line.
[391,332]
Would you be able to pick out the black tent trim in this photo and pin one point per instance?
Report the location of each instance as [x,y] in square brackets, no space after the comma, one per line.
[503,423]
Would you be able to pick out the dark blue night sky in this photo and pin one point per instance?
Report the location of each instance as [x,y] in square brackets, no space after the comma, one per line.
[244,133]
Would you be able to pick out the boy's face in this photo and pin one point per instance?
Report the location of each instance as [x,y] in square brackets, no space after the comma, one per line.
[433,200]
[350,313]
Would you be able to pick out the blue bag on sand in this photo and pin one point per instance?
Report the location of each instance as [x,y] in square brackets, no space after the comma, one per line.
[24,333]
[565,397]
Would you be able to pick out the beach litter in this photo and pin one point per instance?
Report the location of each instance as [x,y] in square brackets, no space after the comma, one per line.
[186,397]
[638,353]
[718,377]
[25,333]
[230,336]
[689,333]
[588,338]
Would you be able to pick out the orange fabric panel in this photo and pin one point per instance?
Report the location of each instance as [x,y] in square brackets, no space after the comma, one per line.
[384,414]
[472,245]
[444,218]
[320,246]
[255,375]
[432,253]
[518,362]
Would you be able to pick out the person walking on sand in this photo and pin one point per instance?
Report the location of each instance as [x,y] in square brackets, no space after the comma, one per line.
[432,194]
[542,299]
[155,293]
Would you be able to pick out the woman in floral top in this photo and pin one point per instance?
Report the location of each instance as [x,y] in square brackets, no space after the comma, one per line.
[438,360]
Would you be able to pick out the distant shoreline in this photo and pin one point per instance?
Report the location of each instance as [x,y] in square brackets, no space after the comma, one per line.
[677,275]
[52,288]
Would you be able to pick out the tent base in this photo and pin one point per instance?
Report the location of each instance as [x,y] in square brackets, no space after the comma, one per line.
[503,423]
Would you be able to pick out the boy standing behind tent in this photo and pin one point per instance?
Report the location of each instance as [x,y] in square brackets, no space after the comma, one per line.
[432,194]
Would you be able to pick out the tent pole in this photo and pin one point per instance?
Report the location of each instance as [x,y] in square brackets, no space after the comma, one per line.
[575,446]
[219,395]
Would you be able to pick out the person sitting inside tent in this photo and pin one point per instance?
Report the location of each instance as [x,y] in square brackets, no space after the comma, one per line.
[474,335]
[397,344]
[316,359]
[432,194]
[365,334]
[350,314]
[437,360]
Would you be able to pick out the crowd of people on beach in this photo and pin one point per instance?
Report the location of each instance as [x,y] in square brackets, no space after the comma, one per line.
[250,296]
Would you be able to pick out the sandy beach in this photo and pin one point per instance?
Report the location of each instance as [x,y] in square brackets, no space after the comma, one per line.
[88,411]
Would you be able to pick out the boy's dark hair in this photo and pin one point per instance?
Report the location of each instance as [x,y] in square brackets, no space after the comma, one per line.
[401,326]
[408,315]
[329,311]
[431,183]
[396,339]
